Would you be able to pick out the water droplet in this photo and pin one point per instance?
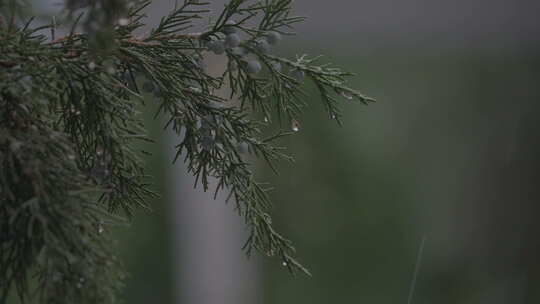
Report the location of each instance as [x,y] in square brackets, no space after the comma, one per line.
[123,21]
[75,111]
[334,116]
[266,119]
[196,89]
[215,105]
[295,126]
[347,95]
[92,65]
[284,264]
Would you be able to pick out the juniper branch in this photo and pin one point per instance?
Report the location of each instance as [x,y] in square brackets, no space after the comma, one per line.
[69,124]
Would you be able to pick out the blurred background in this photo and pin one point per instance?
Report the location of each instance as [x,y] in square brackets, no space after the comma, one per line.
[449,151]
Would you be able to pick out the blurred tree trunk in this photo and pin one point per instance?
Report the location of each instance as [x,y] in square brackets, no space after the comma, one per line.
[208,236]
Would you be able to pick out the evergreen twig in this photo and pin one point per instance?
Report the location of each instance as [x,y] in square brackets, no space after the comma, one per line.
[69,124]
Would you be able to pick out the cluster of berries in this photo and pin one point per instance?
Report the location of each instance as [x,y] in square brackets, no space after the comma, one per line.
[231,41]
[208,136]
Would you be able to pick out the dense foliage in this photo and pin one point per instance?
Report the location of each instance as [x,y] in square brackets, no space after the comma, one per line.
[70,165]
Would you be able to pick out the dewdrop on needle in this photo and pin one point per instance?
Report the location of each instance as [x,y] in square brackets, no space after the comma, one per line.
[295,125]
[347,95]
[123,21]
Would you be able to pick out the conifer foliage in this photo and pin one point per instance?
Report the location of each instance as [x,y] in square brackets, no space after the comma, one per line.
[70,163]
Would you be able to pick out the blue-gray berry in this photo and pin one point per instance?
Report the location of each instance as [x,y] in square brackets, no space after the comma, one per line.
[276,65]
[242,147]
[253,67]
[298,74]
[217,47]
[207,142]
[230,27]
[232,40]
[125,77]
[210,45]
[157,92]
[263,46]
[206,124]
[273,37]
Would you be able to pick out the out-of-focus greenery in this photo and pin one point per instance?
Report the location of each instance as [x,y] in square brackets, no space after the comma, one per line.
[360,197]
[400,169]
